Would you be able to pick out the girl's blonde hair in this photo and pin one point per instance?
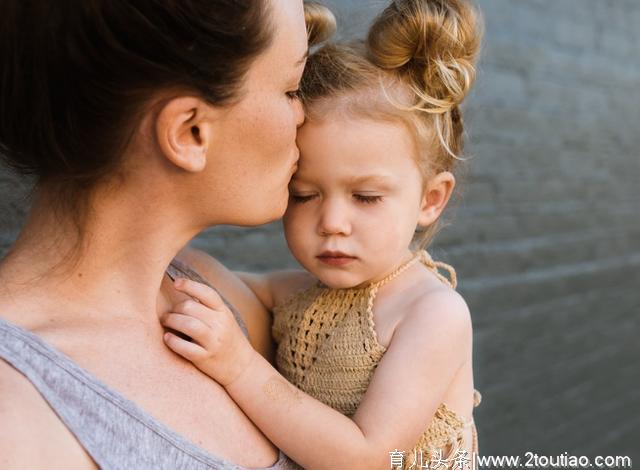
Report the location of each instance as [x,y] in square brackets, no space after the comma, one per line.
[416,65]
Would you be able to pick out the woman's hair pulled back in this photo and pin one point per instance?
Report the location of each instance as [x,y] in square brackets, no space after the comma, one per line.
[76,75]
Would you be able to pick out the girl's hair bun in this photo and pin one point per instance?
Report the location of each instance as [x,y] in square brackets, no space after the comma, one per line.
[432,44]
[321,24]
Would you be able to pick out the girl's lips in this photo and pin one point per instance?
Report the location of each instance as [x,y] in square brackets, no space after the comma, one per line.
[336,260]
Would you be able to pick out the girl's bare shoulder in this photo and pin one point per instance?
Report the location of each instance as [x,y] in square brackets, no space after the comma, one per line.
[438,310]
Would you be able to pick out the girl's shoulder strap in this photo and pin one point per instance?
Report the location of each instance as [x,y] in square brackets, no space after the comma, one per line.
[400,269]
[434,266]
[425,258]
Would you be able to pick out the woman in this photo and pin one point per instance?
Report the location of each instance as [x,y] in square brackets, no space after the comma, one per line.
[144,123]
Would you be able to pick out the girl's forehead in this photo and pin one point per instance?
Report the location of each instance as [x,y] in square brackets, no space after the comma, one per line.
[359,138]
[374,177]
[354,166]
[354,145]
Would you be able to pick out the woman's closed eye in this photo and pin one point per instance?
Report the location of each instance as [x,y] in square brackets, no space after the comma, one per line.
[293,94]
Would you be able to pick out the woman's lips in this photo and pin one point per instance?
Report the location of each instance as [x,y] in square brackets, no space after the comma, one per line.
[336,258]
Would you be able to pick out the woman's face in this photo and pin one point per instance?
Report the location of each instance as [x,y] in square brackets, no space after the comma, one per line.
[254,153]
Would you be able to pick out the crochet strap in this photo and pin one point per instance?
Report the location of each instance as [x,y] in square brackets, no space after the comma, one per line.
[396,272]
[426,259]
[452,281]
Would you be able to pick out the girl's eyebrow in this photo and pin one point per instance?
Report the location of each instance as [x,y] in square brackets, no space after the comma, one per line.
[376,179]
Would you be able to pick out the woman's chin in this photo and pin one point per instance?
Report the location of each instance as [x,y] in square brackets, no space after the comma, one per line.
[269,214]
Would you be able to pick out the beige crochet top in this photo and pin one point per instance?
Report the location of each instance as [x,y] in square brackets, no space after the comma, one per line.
[328,347]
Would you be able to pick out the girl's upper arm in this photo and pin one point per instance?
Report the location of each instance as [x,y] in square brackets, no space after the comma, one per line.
[286,283]
[259,284]
[428,347]
[274,287]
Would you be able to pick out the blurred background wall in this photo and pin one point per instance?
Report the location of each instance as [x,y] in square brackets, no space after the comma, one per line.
[546,235]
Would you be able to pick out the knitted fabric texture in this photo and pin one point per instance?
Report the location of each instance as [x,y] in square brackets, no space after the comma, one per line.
[328,348]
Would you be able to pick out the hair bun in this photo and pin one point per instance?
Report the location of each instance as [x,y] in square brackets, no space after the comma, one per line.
[321,24]
[432,44]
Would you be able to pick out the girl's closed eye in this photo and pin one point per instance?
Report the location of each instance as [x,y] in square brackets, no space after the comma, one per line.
[367,198]
[302,198]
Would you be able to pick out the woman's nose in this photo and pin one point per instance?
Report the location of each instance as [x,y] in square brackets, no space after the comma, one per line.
[334,219]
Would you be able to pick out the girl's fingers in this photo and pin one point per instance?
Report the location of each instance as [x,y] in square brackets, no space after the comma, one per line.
[202,312]
[190,351]
[205,294]
[188,325]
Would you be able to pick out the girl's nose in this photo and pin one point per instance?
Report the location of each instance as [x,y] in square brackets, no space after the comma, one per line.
[334,219]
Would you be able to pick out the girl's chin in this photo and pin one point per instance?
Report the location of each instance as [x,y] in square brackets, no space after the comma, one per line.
[338,282]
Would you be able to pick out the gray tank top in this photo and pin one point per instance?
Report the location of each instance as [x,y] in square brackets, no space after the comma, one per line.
[113,430]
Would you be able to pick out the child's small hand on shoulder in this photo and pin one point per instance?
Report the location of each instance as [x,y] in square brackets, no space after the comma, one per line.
[218,347]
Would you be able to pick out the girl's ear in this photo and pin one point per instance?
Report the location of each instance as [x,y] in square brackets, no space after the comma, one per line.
[436,196]
[183,130]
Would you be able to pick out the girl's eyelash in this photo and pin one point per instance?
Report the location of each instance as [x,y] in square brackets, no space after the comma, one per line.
[301,199]
[295,94]
[367,199]
[358,197]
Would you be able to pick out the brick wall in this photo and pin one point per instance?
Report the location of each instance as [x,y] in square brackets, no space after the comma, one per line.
[545,237]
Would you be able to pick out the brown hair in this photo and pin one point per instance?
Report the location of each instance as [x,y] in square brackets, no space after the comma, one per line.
[416,65]
[75,77]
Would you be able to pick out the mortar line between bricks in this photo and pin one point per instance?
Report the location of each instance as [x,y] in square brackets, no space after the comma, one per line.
[549,274]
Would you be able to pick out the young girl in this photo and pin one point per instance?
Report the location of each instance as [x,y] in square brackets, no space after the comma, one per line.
[374,345]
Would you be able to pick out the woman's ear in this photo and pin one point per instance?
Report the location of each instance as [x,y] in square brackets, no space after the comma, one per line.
[184,131]
[436,196]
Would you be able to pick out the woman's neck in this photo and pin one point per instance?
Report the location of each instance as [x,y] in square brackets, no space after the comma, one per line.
[129,242]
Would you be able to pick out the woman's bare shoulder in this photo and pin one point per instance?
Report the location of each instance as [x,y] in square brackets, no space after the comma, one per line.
[31,434]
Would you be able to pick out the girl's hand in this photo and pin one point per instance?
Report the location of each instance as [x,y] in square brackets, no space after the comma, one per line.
[218,347]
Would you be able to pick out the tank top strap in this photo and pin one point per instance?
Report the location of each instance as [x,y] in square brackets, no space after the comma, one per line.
[113,430]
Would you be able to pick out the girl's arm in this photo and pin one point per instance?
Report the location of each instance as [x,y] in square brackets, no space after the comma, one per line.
[273,287]
[428,347]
